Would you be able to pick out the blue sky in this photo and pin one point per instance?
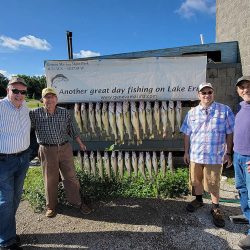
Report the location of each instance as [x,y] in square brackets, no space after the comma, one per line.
[32,31]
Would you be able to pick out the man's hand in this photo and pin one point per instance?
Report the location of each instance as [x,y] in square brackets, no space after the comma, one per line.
[228,159]
[186,158]
[248,168]
[82,146]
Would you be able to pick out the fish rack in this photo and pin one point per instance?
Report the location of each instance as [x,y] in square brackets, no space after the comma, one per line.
[99,124]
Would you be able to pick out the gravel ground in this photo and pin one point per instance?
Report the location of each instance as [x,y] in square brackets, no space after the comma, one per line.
[132,224]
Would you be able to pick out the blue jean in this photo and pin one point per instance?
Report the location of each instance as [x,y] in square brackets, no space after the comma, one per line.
[12,174]
[242,183]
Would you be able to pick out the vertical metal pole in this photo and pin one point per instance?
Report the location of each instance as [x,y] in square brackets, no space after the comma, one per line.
[69,42]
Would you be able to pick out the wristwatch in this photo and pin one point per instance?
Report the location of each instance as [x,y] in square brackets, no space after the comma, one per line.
[229,154]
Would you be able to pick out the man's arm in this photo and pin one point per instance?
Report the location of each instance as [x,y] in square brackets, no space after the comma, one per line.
[228,156]
[186,157]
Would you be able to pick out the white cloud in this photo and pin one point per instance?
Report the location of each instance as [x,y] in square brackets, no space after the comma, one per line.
[5,73]
[25,41]
[190,7]
[86,53]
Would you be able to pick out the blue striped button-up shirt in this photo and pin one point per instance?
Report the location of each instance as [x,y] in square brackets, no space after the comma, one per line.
[207,130]
[14,127]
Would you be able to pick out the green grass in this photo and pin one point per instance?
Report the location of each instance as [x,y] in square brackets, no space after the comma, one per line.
[32,103]
[172,185]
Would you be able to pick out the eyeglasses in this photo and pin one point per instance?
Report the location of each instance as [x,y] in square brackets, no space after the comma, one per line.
[207,93]
[17,91]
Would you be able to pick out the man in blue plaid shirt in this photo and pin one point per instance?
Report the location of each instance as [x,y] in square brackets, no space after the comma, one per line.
[208,141]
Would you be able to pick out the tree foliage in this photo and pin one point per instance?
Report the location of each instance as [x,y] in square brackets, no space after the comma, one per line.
[35,85]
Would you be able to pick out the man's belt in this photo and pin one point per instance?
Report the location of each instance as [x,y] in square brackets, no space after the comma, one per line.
[53,145]
[15,154]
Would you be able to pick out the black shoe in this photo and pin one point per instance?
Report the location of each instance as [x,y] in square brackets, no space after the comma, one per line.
[239,219]
[194,205]
[12,247]
[18,240]
[218,217]
[245,243]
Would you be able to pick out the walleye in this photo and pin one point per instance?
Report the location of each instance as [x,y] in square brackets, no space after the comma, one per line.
[98,116]
[164,118]
[106,163]
[170,162]
[126,118]
[142,118]
[105,119]
[149,165]
[86,162]
[92,163]
[120,163]
[135,163]
[84,116]
[77,114]
[112,121]
[128,163]
[149,118]
[171,116]
[156,114]
[92,117]
[114,163]
[163,163]
[155,163]
[141,164]
[178,111]
[99,164]
[135,121]
[119,121]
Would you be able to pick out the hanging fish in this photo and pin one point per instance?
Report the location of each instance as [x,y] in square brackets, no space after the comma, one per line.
[156,115]
[135,163]
[164,118]
[92,117]
[105,118]
[86,162]
[135,121]
[98,116]
[142,118]
[112,119]
[92,163]
[106,163]
[99,164]
[149,164]
[77,113]
[84,116]
[141,164]
[155,163]
[126,118]
[149,118]
[119,121]
[128,163]
[171,116]
[170,162]
[163,163]
[114,162]
[178,111]
[120,164]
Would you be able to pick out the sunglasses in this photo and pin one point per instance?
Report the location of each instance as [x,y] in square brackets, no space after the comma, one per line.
[17,91]
[206,93]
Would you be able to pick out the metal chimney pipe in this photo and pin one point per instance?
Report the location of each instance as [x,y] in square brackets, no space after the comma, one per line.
[69,42]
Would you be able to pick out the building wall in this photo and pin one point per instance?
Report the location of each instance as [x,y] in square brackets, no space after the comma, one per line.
[233,24]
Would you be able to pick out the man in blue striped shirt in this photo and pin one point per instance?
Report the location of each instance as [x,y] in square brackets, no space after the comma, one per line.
[14,158]
[208,142]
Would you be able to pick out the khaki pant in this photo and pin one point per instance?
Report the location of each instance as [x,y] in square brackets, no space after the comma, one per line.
[209,175]
[55,160]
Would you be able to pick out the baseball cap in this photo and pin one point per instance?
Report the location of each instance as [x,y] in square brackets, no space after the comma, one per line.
[48,91]
[16,79]
[205,84]
[241,79]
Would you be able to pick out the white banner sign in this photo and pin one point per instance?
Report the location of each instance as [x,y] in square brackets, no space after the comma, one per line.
[152,78]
